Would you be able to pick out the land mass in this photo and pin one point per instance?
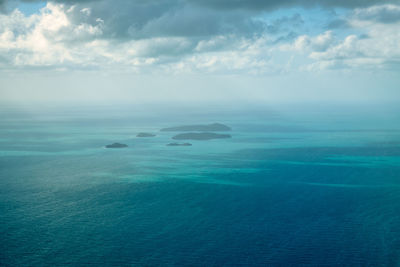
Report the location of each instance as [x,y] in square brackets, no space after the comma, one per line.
[116,145]
[200,136]
[145,135]
[201,128]
[179,144]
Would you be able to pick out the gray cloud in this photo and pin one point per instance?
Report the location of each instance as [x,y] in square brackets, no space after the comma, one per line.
[197,34]
[195,22]
[245,4]
[179,18]
[267,5]
[2,6]
[382,14]
[140,19]
[338,24]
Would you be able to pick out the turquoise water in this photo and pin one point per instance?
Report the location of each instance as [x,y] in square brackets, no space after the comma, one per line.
[297,186]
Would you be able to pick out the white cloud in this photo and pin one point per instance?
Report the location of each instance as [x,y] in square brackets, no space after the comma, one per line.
[323,41]
[62,36]
[87,11]
[377,48]
[306,43]
[52,38]
[41,39]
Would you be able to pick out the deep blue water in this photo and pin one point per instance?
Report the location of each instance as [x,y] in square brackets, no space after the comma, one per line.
[291,188]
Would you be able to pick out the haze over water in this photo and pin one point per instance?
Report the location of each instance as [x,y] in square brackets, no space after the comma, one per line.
[296,186]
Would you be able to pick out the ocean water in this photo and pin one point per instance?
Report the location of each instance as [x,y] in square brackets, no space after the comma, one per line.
[292,187]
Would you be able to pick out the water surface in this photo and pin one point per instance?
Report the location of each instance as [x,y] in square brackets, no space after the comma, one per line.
[289,188]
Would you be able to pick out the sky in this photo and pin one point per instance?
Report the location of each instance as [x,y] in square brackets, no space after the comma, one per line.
[220,51]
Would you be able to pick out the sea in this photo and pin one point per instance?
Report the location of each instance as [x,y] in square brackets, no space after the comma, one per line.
[296,185]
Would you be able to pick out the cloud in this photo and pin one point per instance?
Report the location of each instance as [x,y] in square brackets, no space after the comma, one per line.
[337,23]
[381,14]
[197,36]
[305,43]
[42,39]
[142,19]
[376,48]
[379,51]
[368,41]
[192,22]
[253,5]
[273,4]
[66,36]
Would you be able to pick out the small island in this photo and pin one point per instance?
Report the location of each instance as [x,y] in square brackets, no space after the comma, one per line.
[214,127]
[179,144]
[200,136]
[116,145]
[145,135]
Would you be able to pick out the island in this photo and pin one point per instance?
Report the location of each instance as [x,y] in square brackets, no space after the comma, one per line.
[200,136]
[214,127]
[145,135]
[179,144]
[116,145]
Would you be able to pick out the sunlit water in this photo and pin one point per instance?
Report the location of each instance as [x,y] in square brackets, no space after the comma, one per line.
[289,188]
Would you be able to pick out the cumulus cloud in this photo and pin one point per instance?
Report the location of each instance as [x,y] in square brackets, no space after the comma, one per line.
[379,50]
[41,39]
[197,36]
[306,43]
[376,48]
[72,35]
